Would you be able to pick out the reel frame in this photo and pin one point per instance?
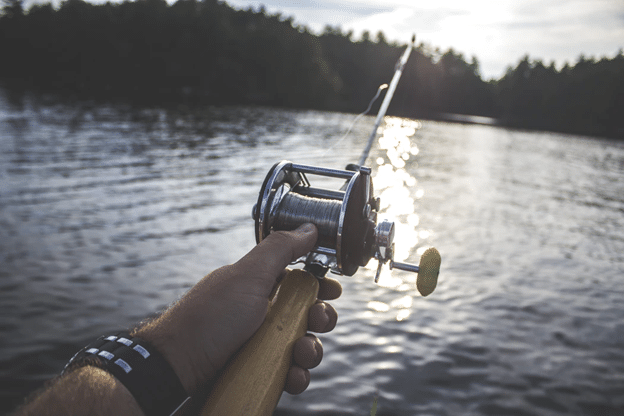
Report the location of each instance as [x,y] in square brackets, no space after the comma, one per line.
[349,239]
[349,235]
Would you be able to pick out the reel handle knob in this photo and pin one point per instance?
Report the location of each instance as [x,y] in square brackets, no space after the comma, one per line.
[428,269]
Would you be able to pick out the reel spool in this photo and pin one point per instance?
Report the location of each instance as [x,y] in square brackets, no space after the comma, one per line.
[349,235]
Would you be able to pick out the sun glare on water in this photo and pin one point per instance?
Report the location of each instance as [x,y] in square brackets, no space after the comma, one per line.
[399,192]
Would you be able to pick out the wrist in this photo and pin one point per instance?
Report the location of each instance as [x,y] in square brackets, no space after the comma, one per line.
[170,341]
[139,366]
[184,333]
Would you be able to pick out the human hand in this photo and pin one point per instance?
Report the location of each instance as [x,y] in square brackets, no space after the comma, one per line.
[220,313]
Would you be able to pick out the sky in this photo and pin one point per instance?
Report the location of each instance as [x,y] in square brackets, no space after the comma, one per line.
[498,32]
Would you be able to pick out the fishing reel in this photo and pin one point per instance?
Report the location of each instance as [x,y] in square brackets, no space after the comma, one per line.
[346,219]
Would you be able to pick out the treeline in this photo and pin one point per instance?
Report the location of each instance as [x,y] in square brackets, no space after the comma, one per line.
[586,98]
[207,52]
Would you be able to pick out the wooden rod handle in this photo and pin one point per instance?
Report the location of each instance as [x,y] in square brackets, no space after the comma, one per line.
[254,378]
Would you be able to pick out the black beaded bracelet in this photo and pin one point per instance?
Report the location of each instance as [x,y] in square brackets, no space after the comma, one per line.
[139,367]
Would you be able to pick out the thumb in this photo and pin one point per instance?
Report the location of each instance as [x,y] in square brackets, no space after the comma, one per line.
[268,259]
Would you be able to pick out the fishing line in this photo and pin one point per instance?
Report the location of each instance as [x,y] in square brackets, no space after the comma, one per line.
[398,71]
[358,117]
[386,102]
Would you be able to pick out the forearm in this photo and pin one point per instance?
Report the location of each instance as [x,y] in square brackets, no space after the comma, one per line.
[85,391]
[196,337]
[90,390]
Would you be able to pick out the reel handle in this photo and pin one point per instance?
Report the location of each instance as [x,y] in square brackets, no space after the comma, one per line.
[254,379]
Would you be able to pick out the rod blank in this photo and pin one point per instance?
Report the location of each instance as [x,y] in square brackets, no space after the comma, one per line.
[386,102]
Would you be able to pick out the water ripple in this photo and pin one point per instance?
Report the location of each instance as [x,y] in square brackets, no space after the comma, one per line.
[110,213]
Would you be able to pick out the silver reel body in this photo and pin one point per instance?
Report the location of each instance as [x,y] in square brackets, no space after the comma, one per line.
[346,219]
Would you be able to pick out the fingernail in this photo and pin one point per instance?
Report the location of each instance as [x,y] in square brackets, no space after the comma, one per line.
[325,315]
[306,228]
[329,320]
[316,350]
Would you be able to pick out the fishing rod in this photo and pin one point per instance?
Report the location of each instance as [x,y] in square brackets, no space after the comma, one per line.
[398,71]
[349,236]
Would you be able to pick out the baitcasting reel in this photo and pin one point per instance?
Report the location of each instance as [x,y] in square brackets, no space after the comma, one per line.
[348,233]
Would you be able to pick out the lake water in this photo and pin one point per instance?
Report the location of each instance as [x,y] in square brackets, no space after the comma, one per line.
[109,213]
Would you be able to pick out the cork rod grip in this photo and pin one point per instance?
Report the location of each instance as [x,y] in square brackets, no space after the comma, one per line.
[254,378]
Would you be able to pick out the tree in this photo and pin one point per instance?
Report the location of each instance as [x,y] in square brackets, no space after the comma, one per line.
[13,8]
[381,38]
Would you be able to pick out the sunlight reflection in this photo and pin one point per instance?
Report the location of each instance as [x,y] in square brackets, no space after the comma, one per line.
[403,314]
[421,250]
[366,315]
[396,188]
[387,279]
[381,340]
[387,365]
[393,349]
[406,238]
[413,220]
[399,193]
[405,287]
[402,303]
[402,202]
[378,306]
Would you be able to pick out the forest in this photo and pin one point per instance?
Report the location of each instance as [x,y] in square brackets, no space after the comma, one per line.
[206,52]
